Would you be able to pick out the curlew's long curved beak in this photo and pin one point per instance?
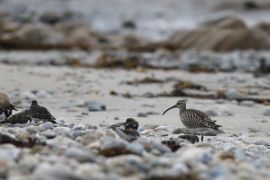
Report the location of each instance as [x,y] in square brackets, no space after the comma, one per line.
[174,106]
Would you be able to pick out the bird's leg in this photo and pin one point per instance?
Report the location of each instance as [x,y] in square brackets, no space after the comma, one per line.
[201,136]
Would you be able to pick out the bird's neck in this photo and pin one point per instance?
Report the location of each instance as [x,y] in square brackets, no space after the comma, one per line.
[182,109]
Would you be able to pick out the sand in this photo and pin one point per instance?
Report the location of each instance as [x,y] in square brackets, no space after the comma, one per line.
[71,86]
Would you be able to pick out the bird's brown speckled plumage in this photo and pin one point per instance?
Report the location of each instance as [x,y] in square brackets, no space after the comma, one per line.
[21,118]
[40,112]
[193,118]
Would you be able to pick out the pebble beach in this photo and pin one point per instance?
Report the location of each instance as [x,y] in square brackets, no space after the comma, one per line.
[94,69]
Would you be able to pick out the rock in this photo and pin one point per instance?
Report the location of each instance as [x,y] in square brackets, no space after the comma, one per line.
[227,22]
[195,154]
[9,153]
[91,137]
[49,134]
[62,141]
[153,146]
[150,126]
[96,106]
[135,148]
[91,171]
[33,129]
[62,131]
[80,37]
[253,130]
[80,155]
[141,114]
[46,171]
[47,125]
[129,24]
[247,103]
[127,165]
[113,147]
[233,94]
[230,35]
[267,112]
[51,17]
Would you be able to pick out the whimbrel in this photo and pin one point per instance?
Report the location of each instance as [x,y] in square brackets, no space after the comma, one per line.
[22,117]
[6,107]
[38,112]
[192,118]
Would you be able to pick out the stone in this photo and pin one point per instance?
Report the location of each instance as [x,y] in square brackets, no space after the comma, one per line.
[153,146]
[113,147]
[91,171]
[96,106]
[46,171]
[49,134]
[233,94]
[141,114]
[80,155]
[126,165]
[9,153]
[247,103]
[47,125]
[267,112]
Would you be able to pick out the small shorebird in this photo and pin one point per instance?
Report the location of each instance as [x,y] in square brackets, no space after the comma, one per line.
[21,118]
[6,107]
[129,132]
[192,118]
[40,113]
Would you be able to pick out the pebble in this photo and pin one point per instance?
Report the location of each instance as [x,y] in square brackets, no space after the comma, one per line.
[47,125]
[233,94]
[50,134]
[81,155]
[96,106]
[46,171]
[141,114]
[78,151]
[247,103]
[267,112]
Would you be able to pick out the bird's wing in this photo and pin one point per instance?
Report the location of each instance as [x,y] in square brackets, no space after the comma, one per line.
[42,112]
[204,119]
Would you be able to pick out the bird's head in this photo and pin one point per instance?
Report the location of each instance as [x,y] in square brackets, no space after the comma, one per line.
[181,104]
[34,102]
[131,124]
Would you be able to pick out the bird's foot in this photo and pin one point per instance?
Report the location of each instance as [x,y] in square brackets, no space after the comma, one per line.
[202,138]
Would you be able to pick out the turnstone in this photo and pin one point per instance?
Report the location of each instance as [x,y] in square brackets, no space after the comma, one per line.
[40,113]
[5,107]
[129,132]
[22,117]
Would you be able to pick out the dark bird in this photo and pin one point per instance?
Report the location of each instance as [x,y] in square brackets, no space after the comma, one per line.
[6,107]
[129,132]
[40,113]
[192,118]
[19,118]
